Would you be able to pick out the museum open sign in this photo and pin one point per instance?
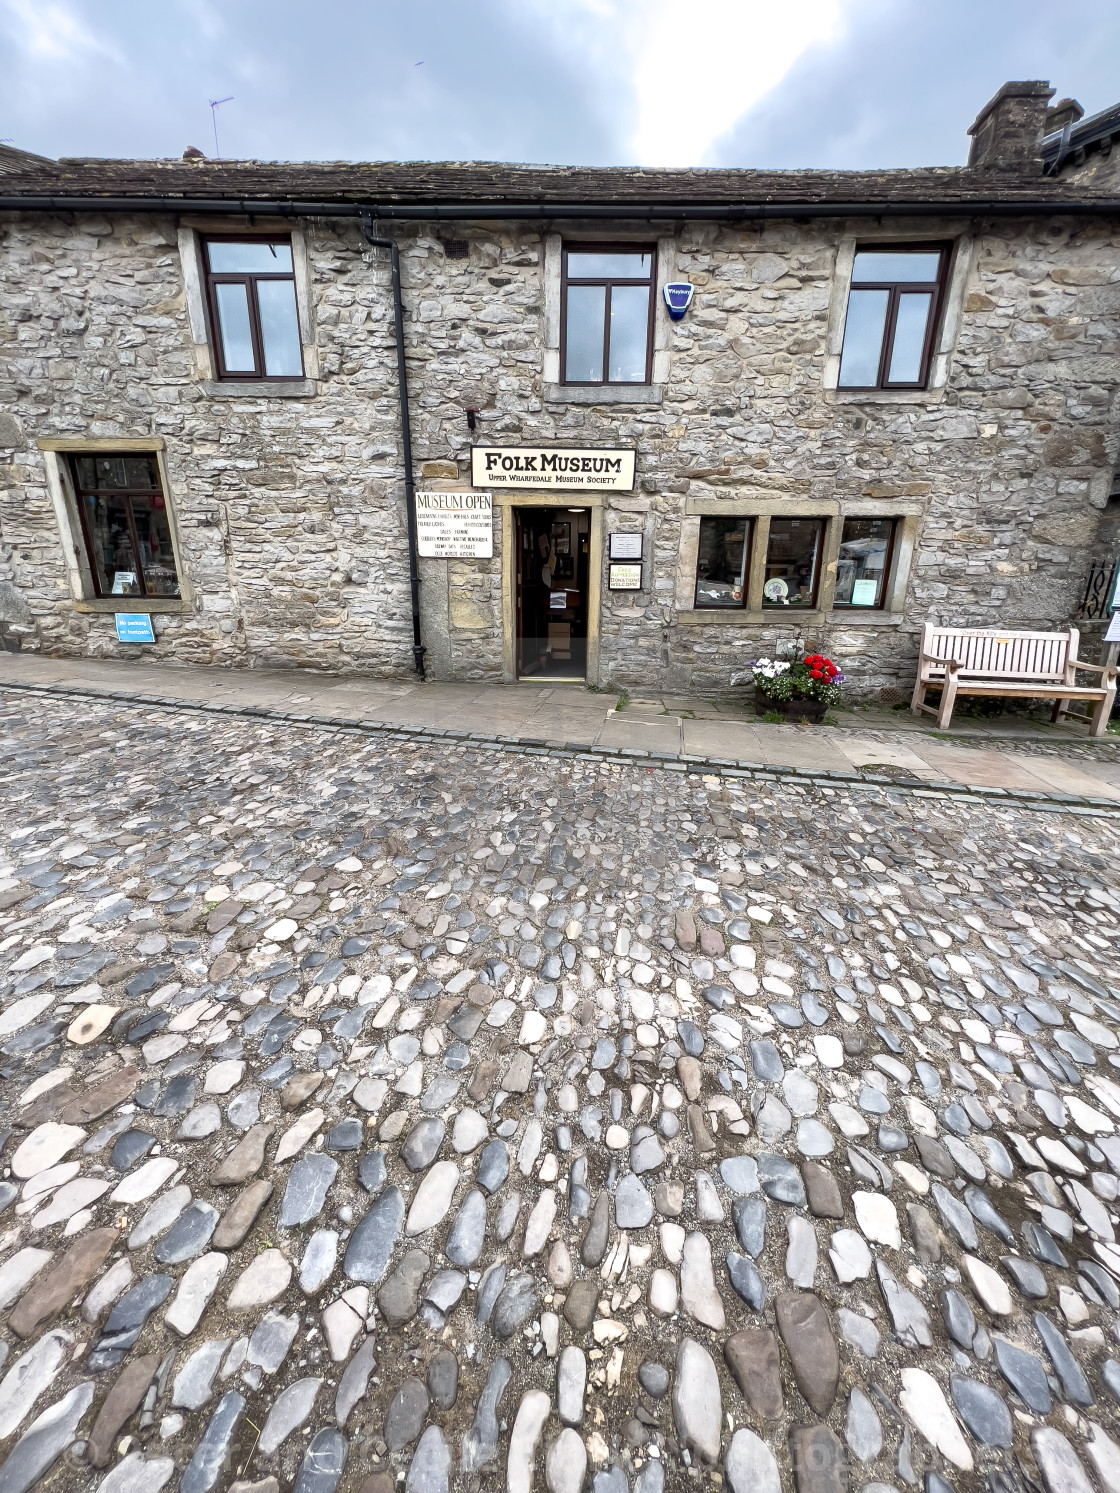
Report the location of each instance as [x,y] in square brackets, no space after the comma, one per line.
[455,525]
[571,468]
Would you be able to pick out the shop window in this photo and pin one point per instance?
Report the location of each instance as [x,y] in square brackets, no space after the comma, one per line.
[864,564]
[893,307]
[722,560]
[251,291]
[123,513]
[793,562]
[606,334]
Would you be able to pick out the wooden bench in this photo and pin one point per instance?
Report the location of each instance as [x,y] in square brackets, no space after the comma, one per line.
[1022,665]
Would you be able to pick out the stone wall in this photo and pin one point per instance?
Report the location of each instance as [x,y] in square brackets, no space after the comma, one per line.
[1098,173]
[290,511]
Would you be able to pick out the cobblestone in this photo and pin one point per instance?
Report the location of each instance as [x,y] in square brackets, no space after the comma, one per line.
[419,1163]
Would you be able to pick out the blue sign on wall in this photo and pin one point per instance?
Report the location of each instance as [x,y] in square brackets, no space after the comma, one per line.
[678,298]
[134,627]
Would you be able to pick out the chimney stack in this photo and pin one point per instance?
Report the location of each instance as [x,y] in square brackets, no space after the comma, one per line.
[1065,111]
[1006,132]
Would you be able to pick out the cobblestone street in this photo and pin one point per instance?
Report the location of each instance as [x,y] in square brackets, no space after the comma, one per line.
[411,1113]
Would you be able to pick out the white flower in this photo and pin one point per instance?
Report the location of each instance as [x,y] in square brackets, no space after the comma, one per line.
[768,668]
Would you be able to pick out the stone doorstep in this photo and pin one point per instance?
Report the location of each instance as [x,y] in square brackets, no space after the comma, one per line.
[685,761]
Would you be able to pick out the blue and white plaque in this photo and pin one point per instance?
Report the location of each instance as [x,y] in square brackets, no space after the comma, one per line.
[678,298]
[134,627]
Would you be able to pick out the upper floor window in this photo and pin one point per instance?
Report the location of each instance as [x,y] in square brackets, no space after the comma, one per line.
[251,290]
[893,308]
[606,332]
[123,513]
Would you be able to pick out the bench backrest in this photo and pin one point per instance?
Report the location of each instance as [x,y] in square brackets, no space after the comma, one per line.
[1001,655]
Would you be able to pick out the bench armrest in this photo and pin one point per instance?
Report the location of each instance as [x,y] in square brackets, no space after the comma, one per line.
[1105,669]
[951,664]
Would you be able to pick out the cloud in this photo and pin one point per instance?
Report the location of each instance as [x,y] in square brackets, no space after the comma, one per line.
[52,32]
[679,86]
[694,82]
[837,83]
[899,84]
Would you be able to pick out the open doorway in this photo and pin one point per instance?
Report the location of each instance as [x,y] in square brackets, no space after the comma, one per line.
[553,573]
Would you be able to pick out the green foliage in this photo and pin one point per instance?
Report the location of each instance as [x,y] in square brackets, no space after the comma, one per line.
[797,683]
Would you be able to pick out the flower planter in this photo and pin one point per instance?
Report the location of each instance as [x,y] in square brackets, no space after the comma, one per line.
[803,709]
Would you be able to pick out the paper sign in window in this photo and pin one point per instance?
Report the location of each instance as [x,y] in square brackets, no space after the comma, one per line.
[864,593]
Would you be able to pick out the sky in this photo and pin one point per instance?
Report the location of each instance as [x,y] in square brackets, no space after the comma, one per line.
[755,83]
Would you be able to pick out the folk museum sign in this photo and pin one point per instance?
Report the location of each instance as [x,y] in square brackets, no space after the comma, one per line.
[568,468]
[455,525]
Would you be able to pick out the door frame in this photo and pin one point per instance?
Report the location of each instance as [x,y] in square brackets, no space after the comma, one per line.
[507,502]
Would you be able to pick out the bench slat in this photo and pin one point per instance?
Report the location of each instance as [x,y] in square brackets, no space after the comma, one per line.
[1030,690]
[1023,655]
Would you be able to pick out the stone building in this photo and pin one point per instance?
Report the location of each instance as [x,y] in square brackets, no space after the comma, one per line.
[891,398]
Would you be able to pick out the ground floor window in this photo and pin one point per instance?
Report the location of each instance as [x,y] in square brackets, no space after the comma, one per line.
[722,561]
[864,562]
[123,511]
[793,562]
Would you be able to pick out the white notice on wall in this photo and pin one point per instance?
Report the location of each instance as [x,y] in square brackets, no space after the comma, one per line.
[1112,633]
[455,525]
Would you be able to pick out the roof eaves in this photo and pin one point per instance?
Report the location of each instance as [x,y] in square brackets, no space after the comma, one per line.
[1085,133]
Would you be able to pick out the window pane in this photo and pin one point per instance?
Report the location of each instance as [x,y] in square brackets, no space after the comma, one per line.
[117,471]
[283,356]
[792,557]
[233,320]
[153,534]
[583,348]
[863,339]
[610,266]
[861,570]
[629,333]
[904,265]
[111,544]
[250,259]
[721,562]
[909,337]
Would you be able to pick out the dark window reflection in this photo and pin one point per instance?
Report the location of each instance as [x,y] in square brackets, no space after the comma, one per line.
[792,562]
[865,551]
[124,522]
[721,562]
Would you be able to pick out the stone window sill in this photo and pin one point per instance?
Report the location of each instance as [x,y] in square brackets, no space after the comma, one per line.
[112,604]
[251,388]
[730,617]
[841,617]
[603,393]
[854,617]
[884,396]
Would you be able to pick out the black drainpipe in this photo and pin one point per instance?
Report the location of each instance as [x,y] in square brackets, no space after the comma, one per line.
[418,649]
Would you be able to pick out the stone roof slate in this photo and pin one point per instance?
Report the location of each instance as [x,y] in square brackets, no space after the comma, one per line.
[419,182]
